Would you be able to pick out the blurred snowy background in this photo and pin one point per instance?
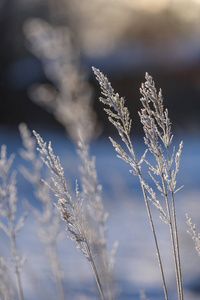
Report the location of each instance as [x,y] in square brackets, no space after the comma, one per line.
[124,39]
[136,266]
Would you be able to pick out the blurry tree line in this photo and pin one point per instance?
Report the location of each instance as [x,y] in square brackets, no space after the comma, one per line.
[121,38]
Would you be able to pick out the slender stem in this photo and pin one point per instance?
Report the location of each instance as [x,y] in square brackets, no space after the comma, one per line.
[91,260]
[150,217]
[96,275]
[155,238]
[172,239]
[177,247]
[176,234]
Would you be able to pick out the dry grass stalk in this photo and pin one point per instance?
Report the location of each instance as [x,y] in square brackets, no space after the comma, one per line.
[49,229]
[71,211]
[157,129]
[8,209]
[70,102]
[92,195]
[158,138]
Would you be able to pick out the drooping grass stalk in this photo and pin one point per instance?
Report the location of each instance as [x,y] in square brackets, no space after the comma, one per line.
[48,219]
[71,211]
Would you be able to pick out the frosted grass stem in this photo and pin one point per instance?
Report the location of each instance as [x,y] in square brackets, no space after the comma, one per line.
[176,236]
[120,118]
[71,211]
[131,150]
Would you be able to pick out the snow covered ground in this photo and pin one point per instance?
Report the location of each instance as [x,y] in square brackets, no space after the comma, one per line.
[136,263]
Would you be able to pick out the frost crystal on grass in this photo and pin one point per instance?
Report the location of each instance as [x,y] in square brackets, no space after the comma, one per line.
[192,232]
[158,138]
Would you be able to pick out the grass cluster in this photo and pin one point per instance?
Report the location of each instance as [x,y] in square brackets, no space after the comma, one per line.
[83,211]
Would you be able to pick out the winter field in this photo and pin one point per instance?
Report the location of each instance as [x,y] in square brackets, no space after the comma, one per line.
[136,267]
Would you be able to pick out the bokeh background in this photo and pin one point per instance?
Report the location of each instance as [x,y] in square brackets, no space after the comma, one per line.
[124,39]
